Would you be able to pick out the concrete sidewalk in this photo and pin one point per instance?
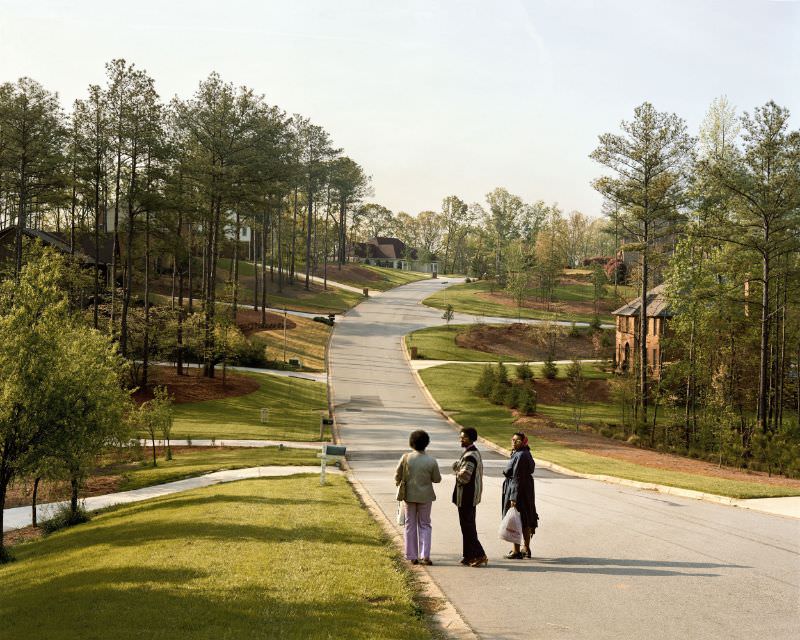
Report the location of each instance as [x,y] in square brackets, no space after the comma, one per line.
[288,444]
[20,517]
[419,365]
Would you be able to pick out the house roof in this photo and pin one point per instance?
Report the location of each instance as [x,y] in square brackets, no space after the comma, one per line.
[84,243]
[656,305]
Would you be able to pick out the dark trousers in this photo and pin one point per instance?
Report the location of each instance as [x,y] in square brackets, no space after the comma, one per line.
[471,545]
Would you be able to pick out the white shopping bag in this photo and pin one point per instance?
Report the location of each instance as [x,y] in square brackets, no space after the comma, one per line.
[511,527]
[401,513]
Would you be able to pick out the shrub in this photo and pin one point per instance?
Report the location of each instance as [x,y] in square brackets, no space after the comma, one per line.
[634,439]
[486,382]
[595,324]
[324,320]
[574,332]
[606,339]
[498,394]
[527,403]
[63,518]
[502,373]
[511,398]
[524,372]
[550,369]
[606,432]
[467,280]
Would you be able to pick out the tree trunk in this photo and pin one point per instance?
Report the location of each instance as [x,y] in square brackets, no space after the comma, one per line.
[263,270]
[34,519]
[146,339]
[73,500]
[292,271]
[179,340]
[235,300]
[643,328]
[763,370]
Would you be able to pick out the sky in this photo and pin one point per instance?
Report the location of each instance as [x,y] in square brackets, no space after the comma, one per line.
[435,97]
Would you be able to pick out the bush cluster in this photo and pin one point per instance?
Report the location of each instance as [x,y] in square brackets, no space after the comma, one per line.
[496,386]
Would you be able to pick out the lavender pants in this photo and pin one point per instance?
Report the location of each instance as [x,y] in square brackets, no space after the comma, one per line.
[418,530]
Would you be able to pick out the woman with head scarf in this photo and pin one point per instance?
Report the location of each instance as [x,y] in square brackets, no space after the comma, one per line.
[518,492]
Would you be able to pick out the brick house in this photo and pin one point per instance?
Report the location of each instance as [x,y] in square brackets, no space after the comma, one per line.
[627,324]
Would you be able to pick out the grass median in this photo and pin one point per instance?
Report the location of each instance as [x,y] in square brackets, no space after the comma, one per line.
[188,463]
[267,558]
[452,387]
[294,404]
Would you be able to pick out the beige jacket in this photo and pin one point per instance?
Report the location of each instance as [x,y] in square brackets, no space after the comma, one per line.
[423,471]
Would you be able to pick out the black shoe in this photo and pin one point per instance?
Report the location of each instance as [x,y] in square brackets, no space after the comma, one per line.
[514,555]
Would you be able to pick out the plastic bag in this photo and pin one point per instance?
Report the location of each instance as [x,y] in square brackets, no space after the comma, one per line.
[511,527]
[401,514]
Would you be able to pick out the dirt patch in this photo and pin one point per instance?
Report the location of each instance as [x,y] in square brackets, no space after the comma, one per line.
[609,448]
[249,321]
[557,306]
[26,534]
[556,391]
[193,387]
[526,342]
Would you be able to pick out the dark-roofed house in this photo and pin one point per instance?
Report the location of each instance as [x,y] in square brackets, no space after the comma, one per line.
[627,324]
[392,253]
[84,244]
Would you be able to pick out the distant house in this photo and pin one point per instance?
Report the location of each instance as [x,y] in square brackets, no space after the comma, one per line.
[393,254]
[84,245]
[627,319]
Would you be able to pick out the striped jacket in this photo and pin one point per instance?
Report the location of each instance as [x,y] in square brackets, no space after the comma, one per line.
[469,477]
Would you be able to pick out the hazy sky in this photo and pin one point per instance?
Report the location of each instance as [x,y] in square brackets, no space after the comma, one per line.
[435,97]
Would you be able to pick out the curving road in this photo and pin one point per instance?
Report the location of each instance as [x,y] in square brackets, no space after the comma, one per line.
[609,561]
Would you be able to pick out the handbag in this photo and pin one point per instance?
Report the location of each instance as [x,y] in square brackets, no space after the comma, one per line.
[511,527]
[401,514]
[401,488]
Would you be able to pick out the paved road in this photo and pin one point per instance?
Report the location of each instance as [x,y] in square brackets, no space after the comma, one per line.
[609,561]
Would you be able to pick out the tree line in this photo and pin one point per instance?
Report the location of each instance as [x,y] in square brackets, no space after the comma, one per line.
[166,184]
[716,218]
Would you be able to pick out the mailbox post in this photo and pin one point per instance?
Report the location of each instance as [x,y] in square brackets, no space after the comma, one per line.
[330,453]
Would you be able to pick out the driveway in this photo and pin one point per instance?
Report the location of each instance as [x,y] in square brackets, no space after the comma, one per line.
[609,561]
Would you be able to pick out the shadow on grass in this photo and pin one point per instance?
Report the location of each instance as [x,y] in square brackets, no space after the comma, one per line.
[136,602]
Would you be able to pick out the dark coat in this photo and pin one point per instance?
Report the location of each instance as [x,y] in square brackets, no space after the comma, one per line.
[518,486]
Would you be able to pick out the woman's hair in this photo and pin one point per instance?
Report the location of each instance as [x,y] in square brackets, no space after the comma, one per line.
[418,440]
[522,437]
[471,433]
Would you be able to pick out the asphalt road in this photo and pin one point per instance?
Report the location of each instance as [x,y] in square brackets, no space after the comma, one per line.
[609,561]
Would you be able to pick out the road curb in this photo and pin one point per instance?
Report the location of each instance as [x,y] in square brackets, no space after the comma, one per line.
[546,464]
[447,618]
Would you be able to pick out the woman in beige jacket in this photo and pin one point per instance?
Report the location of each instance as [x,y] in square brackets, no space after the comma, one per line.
[416,472]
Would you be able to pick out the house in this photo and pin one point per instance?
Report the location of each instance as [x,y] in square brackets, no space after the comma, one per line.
[627,323]
[84,245]
[392,253]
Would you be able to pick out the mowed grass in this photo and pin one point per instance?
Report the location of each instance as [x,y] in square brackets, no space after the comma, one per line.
[188,463]
[294,296]
[294,412]
[390,278]
[306,342]
[266,558]
[438,343]
[464,298]
[452,386]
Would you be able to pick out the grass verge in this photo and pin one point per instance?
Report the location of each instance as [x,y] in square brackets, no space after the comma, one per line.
[306,342]
[267,558]
[466,299]
[451,386]
[187,463]
[294,412]
[438,343]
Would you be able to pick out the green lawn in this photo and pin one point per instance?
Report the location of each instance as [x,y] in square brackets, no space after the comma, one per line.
[452,385]
[293,297]
[390,278]
[187,463]
[306,342]
[294,414]
[266,558]
[438,343]
[463,298]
